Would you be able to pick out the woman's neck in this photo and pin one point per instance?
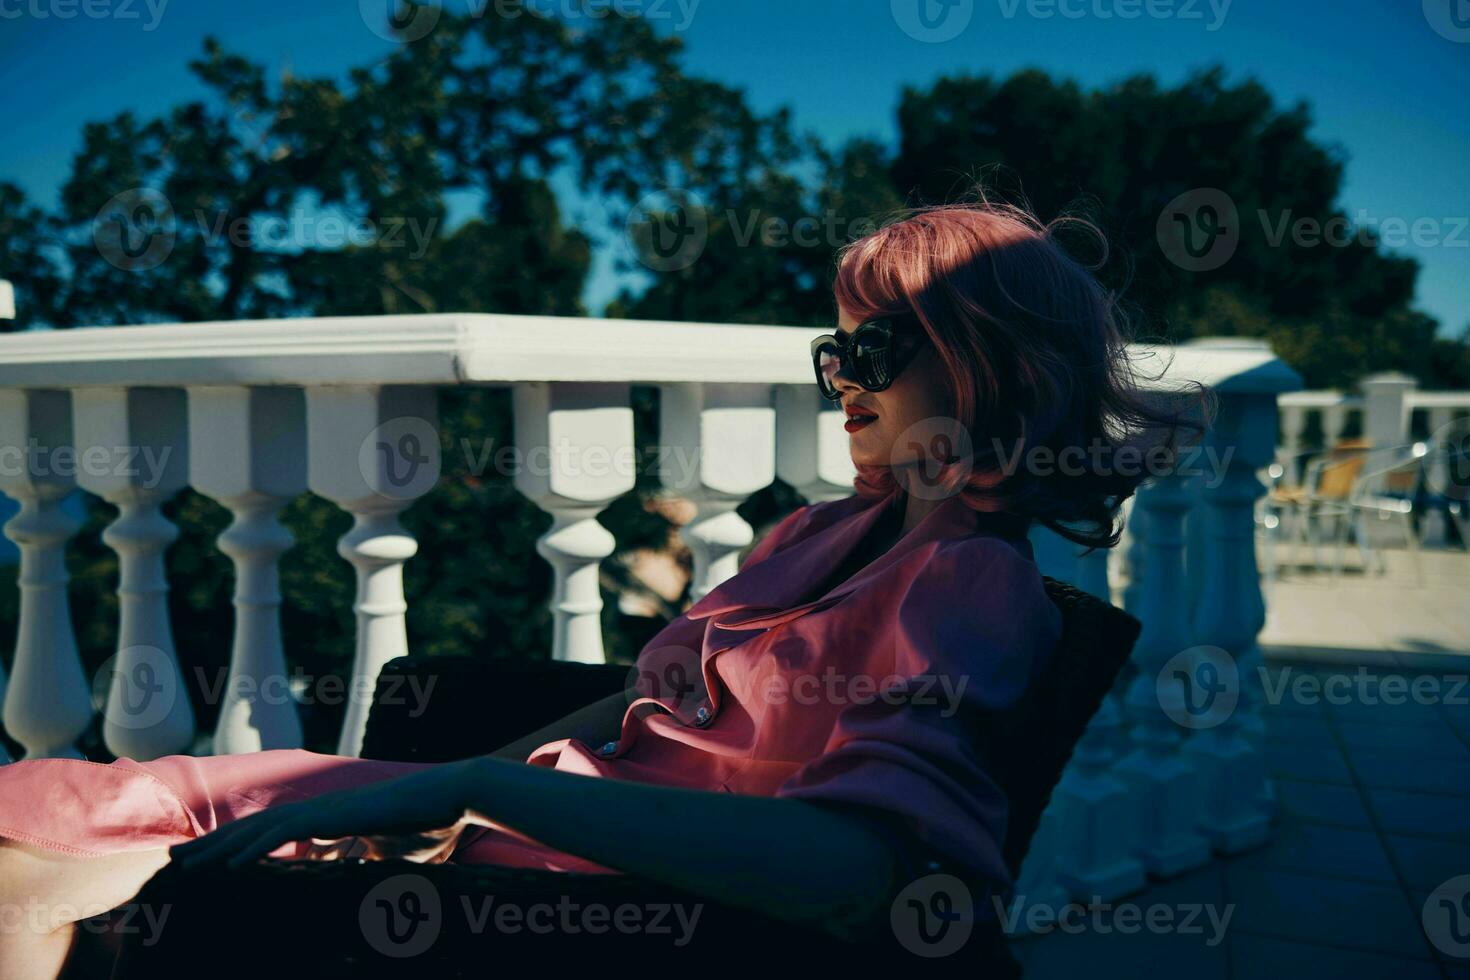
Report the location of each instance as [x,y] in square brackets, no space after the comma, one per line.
[915,509]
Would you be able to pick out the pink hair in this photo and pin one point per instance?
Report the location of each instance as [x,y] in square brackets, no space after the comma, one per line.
[1031,352]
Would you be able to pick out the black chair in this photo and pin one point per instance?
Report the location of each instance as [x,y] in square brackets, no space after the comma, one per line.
[334,915]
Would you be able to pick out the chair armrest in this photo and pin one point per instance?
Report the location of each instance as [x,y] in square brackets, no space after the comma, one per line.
[440,709]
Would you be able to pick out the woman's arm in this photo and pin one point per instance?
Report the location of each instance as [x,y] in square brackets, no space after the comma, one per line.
[599,722]
[795,860]
[792,859]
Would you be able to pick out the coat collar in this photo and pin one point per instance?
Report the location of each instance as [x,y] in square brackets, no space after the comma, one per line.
[769,591]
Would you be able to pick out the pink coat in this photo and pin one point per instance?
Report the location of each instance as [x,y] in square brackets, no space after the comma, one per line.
[864,695]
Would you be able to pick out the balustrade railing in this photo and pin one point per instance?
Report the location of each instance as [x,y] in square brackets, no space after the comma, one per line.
[251,414]
[1390,415]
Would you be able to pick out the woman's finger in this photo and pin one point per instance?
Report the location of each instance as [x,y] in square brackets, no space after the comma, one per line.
[266,841]
[232,838]
[205,848]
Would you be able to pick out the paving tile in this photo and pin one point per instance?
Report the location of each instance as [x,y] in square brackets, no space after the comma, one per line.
[1259,958]
[1315,761]
[1095,953]
[1421,813]
[1376,710]
[1289,690]
[1322,803]
[1457,714]
[1206,884]
[1278,695]
[1298,728]
[1413,772]
[1324,911]
[1435,739]
[1427,862]
[1319,849]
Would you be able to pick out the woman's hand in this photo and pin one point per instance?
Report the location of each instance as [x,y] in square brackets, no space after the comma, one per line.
[417,817]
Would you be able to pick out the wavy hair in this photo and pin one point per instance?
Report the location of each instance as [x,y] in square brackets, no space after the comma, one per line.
[1034,357]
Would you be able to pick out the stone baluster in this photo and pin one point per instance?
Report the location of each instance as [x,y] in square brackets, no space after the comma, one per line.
[1135,553]
[812,451]
[48,702]
[1194,540]
[1293,438]
[577,450]
[133,448]
[726,434]
[1232,612]
[1095,815]
[1098,817]
[1334,422]
[247,450]
[1158,773]
[373,450]
[1039,885]
[1386,414]
[1435,529]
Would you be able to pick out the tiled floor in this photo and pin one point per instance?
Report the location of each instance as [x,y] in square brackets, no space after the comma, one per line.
[1415,615]
[1374,815]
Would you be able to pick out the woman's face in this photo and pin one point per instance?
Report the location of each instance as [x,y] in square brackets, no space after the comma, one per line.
[901,416]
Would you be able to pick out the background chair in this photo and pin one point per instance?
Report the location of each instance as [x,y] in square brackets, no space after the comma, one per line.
[478,705]
[1322,497]
[1387,494]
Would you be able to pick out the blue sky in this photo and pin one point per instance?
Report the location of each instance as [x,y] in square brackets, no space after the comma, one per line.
[1385,82]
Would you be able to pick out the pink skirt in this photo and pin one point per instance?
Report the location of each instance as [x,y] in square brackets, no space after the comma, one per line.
[90,809]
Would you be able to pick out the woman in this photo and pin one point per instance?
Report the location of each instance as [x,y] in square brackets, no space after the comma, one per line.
[803,738]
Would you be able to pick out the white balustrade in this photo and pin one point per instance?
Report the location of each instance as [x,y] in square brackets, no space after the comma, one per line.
[134,445]
[1387,405]
[1386,410]
[723,436]
[586,431]
[1230,614]
[1099,819]
[48,701]
[373,450]
[346,407]
[811,444]
[1155,769]
[247,450]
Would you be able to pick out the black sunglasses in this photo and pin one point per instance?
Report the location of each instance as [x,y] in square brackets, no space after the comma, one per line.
[873,355]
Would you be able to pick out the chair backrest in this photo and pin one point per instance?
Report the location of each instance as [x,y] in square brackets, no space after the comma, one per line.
[1337,476]
[1097,639]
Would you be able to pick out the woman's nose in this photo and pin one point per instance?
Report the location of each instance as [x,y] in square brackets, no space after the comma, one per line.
[842,381]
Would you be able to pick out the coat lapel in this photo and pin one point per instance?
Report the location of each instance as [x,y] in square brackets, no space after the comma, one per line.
[769,592]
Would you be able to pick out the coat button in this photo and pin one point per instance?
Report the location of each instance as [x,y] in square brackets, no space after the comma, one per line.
[608,748]
[702,716]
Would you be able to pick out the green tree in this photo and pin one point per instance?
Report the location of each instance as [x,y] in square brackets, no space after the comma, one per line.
[1121,154]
